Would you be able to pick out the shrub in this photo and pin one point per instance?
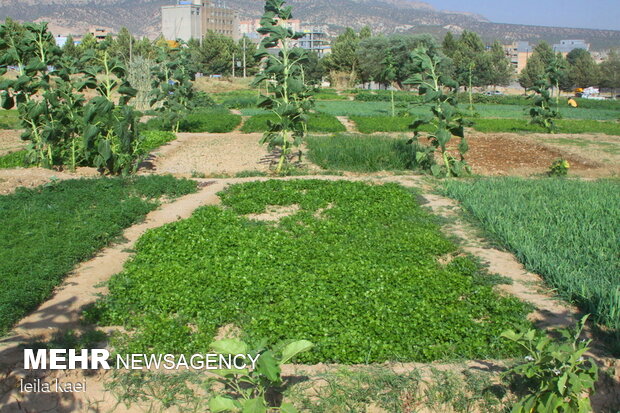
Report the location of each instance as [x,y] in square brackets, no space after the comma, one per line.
[67,222]
[317,122]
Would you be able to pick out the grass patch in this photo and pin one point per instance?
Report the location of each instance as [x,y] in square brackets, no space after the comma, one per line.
[13,160]
[565,230]
[372,124]
[9,119]
[211,120]
[46,231]
[563,126]
[153,139]
[360,153]
[317,122]
[355,270]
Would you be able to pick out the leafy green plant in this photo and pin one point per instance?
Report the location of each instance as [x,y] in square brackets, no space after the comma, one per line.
[153,139]
[556,373]
[446,120]
[172,86]
[559,167]
[289,98]
[407,307]
[14,160]
[73,220]
[543,112]
[61,127]
[255,390]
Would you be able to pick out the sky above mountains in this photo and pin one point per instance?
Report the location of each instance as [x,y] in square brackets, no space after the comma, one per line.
[593,14]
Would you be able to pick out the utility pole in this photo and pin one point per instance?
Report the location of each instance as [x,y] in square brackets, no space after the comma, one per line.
[244,74]
[233,64]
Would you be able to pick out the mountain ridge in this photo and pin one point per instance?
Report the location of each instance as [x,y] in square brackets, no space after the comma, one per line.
[142,17]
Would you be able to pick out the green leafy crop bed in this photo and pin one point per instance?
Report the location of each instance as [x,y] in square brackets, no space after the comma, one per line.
[46,231]
[567,231]
[355,270]
[317,122]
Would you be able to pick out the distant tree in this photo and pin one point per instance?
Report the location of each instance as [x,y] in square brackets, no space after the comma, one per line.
[343,57]
[314,71]
[610,71]
[365,32]
[536,67]
[121,46]
[471,63]
[501,70]
[214,55]
[377,53]
[449,45]
[557,74]
[582,69]
[70,49]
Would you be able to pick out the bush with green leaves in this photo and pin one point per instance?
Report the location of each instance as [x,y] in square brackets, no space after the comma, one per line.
[61,127]
[556,374]
[14,160]
[172,86]
[258,390]
[153,139]
[361,296]
[446,121]
[288,96]
[543,111]
[559,167]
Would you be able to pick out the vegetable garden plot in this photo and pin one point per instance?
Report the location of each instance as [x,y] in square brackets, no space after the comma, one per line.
[46,231]
[565,230]
[359,270]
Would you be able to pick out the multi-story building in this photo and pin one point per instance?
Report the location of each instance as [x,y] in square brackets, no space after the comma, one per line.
[519,53]
[100,34]
[193,19]
[314,39]
[566,46]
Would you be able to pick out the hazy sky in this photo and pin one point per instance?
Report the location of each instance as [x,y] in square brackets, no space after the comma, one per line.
[593,14]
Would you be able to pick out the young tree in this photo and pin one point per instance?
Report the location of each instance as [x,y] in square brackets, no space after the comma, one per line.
[288,96]
[447,121]
[70,49]
[343,57]
[535,69]
[501,70]
[610,71]
[582,69]
[214,54]
[449,45]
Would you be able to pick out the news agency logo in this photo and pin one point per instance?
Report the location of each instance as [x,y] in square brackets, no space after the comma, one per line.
[95,359]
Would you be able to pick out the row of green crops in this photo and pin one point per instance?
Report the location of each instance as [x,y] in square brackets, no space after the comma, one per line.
[360,153]
[317,122]
[45,232]
[372,124]
[567,231]
[355,270]
[152,139]
[478,98]
[212,120]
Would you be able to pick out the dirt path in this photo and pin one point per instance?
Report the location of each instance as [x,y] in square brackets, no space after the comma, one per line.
[10,141]
[210,154]
[348,124]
